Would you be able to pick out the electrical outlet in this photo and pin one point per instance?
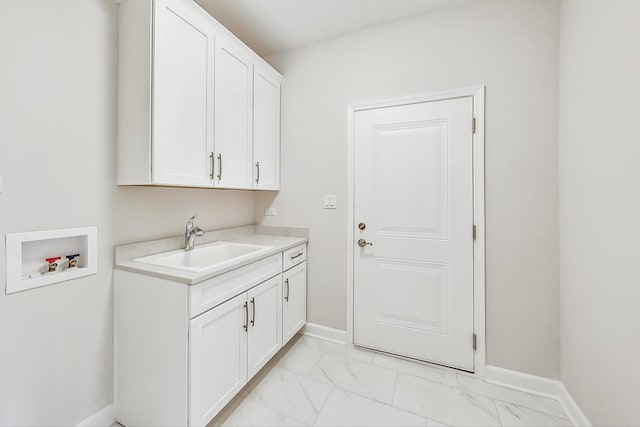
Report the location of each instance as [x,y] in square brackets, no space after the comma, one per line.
[329,201]
[270,212]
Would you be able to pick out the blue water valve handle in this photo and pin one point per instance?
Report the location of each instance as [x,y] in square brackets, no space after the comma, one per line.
[70,257]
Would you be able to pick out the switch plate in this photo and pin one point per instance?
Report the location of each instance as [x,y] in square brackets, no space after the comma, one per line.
[329,201]
[270,212]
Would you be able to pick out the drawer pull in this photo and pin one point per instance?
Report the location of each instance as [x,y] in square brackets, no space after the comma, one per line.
[286,298]
[253,317]
[246,316]
[299,254]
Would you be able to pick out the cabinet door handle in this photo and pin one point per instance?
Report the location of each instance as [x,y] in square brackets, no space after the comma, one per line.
[253,306]
[286,298]
[258,175]
[211,157]
[219,167]
[246,316]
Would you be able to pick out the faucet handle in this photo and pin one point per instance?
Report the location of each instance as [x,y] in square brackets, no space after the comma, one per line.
[198,231]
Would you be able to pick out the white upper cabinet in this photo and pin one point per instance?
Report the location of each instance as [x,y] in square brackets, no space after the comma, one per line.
[233,114]
[183,128]
[196,107]
[266,128]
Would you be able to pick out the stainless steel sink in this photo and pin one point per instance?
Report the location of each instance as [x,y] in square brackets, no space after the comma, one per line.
[204,257]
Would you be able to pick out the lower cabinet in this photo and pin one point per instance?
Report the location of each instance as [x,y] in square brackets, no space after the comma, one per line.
[179,365]
[217,358]
[265,324]
[294,300]
[229,344]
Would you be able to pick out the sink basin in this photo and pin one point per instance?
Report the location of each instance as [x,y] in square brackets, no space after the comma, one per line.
[204,257]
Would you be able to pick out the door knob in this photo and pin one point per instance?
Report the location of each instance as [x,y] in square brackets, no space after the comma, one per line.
[362,243]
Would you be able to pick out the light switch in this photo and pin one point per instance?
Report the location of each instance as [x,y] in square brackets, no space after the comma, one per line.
[270,212]
[329,201]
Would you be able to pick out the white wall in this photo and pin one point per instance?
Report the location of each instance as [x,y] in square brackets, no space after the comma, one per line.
[57,158]
[600,207]
[512,47]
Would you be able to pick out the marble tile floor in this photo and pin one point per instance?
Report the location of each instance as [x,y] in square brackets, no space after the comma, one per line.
[319,383]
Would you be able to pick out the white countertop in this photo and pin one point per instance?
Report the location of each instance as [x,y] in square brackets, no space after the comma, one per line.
[279,238]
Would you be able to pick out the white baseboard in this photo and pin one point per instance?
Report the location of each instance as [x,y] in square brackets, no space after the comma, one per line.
[537,385]
[571,406]
[523,382]
[103,418]
[325,333]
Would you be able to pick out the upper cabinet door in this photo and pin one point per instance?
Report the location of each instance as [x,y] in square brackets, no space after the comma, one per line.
[233,114]
[183,122]
[186,102]
[266,128]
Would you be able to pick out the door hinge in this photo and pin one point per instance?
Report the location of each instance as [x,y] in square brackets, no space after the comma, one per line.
[474,232]
[473,125]
[475,342]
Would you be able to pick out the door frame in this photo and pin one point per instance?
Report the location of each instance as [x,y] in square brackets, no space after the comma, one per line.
[477,93]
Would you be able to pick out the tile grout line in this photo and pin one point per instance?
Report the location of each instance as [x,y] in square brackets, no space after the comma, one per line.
[516,392]
[397,408]
[295,374]
[469,389]
[395,386]
[337,387]
[434,418]
[308,377]
[324,402]
[396,372]
[495,405]
[547,414]
[287,416]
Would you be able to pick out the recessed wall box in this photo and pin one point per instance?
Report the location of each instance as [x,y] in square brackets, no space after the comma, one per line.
[27,252]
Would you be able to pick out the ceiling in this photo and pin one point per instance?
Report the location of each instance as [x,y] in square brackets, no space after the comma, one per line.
[269,26]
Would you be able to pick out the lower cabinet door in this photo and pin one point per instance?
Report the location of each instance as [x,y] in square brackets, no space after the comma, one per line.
[294,300]
[218,358]
[265,323]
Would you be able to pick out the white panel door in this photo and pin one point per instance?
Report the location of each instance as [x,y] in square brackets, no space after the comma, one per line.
[217,358]
[266,128]
[413,281]
[265,323]
[233,114]
[182,94]
[294,300]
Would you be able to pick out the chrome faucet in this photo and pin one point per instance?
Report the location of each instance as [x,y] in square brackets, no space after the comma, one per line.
[190,233]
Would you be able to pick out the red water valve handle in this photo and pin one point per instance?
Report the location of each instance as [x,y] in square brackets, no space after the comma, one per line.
[50,260]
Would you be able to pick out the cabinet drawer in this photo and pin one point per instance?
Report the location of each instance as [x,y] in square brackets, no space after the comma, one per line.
[217,290]
[294,256]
